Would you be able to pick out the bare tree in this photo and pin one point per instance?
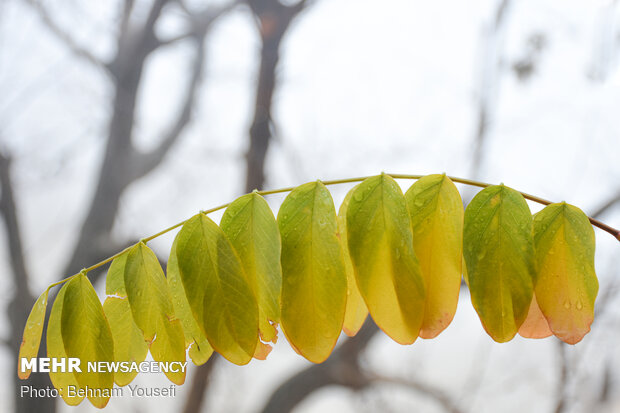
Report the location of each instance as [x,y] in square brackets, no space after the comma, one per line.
[122,163]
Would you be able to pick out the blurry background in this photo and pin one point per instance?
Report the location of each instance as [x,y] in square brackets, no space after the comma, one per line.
[120,118]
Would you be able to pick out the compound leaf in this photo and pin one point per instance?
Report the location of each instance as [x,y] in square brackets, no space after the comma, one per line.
[314,288]
[381,248]
[33,330]
[436,211]
[499,254]
[217,289]
[566,286]
[86,335]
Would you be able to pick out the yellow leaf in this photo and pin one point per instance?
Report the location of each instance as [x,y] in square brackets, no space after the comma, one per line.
[199,348]
[436,211]
[566,285]
[217,289]
[499,254]
[314,287]
[32,334]
[87,336]
[63,381]
[356,312]
[386,268]
[129,344]
[252,229]
[151,305]
[535,325]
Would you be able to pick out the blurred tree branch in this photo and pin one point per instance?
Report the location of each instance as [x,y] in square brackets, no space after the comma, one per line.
[65,37]
[122,163]
[22,299]
[489,74]
[273,19]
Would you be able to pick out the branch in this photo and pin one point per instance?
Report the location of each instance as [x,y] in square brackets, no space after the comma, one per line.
[201,22]
[200,381]
[341,368]
[9,215]
[66,38]
[419,387]
[607,205]
[146,162]
[491,62]
[273,20]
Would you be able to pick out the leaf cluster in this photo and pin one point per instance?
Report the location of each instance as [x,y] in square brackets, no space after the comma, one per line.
[314,272]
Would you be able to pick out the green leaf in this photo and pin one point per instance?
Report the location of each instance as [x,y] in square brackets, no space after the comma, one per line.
[56,349]
[252,229]
[129,344]
[436,211]
[199,348]
[217,289]
[356,312]
[499,253]
[386,268]
[86,335]
[566,285]
[152,309]
[314,288]
[31,340]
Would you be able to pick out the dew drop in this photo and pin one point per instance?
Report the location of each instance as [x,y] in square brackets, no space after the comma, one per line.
[418,202]
[358,197]
[397,253]
[578,305]
[567,304]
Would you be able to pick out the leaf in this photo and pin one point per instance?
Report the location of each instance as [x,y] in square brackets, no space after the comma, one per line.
[87,336]
[386,268]
[33,330]
[314,287]
[217,289]
[535,325]
[499,253]
[356,312]
[56,349]
[152,309]
[436,211]
[566,286]
[129,344]
[253,231]
[199,348]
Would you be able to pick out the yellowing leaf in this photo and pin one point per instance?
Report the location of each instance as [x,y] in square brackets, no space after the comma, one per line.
[356,312]
[199,348]
[86,335]
[252,229]
[436,211]
[381,248]
[217,289]
[314,288]
[152,309]
[129,344]
[566,285]
[499,254]
[62,381]
[32,334]
[535,325]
